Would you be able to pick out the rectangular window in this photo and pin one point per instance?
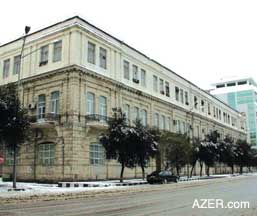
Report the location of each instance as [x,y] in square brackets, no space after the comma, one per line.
[103,58]
[6,68]
[186,98]
[96,154]
[202,105]
[161,86]
[127,113]
[126,69]
[55,102]
[57,51]
[103,107]
[242,83]
[90,103]
[195,102]
[135,74]
[168,122]
[181,95]
[209,109]
[231,84]
[46,154]
[177,93]
[167,88]
[16,64]
[143,77]
[41,106]
[44,55]
[144,117]
[91,53]
[220,86]
[155,83]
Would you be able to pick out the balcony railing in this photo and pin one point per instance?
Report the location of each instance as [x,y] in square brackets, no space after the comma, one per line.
[97,118]
[47,117]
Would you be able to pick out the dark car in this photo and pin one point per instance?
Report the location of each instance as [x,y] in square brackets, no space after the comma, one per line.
[162,177]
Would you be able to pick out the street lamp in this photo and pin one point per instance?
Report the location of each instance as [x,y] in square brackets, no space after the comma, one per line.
[27,29]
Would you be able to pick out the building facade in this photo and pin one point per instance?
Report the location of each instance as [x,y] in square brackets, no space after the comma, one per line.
[72,75]
[240,94]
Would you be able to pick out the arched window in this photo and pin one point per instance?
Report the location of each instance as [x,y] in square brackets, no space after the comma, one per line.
[90,103]
[156,120]
[144,117]
[162,123]
[168,122]
[136,113]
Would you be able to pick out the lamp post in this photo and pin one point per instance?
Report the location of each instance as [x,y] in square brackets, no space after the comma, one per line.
[27,29]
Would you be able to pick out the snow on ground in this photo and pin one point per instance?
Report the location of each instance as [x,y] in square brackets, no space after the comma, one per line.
[31,189]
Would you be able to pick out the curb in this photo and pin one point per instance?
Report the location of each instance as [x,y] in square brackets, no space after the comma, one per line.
[88,184]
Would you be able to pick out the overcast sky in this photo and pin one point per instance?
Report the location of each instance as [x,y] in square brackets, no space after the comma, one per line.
[202,40]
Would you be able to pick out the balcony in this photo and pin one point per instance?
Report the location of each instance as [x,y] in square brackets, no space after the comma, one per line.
[45,120]
[97,121]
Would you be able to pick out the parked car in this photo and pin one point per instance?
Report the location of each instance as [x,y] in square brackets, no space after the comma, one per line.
[162,177]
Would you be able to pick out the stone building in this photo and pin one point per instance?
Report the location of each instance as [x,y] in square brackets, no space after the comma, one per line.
[73,74]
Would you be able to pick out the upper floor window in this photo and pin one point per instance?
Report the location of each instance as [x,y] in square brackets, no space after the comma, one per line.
[186,98]
[202,105]
[57,51]
[44,51]
[209,109]
[167,88]
[161,86]
[126,69]
[41,106]
[177,93]
[143,77]
[96,154]
[195,102]
[220,86]
[6,68]
[91,53]
[46,154]
[242,82]
[135,74]
[103,106]
[155,83]
[55,106]
[219,114]
[103,58]
[90,103]
[181,95]
[231,84]
[144,117]
[16,64]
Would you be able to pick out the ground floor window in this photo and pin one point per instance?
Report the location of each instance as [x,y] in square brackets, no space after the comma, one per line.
[96,152]
[46,154]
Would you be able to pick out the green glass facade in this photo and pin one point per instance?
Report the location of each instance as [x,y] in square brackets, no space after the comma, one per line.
[245,101]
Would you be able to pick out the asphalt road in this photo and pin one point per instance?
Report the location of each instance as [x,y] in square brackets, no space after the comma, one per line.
[169,199]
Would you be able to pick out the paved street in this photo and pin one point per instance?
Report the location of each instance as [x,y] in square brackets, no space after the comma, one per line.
[170,199]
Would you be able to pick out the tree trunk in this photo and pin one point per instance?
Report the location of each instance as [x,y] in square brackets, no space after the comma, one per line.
[192,169]
[143,171]
[208,171]
[14,168]
[201,168]
[177,169]
[122,171]
[241,170]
